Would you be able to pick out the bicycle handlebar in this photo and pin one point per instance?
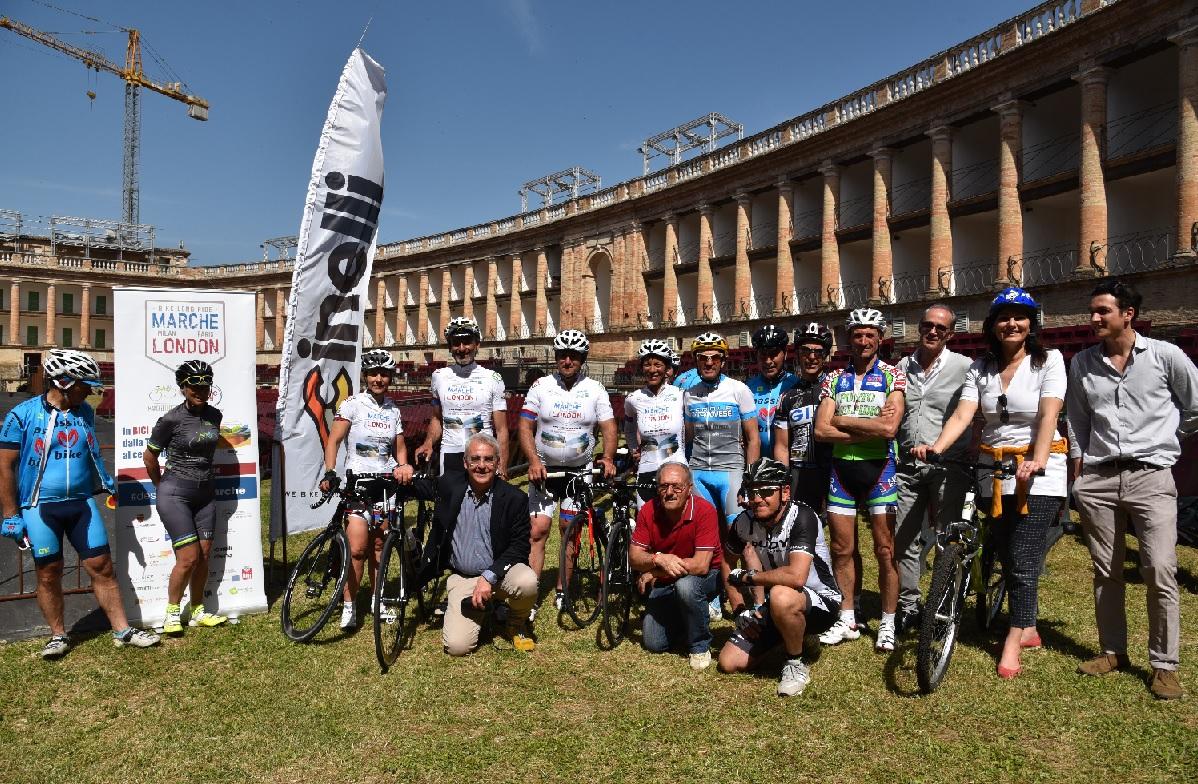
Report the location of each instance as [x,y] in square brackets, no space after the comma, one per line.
[352,479]
[1004,466]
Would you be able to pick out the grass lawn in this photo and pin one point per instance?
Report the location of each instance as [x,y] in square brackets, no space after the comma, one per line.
[242,703]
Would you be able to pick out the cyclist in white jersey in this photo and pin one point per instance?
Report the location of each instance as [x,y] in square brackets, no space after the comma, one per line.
[557,432]
[370,426]
[653,426]
[469,399]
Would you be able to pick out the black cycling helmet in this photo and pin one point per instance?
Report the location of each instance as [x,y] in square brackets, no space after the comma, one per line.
[770,338]
[766,472]
[814,333]
[194,373]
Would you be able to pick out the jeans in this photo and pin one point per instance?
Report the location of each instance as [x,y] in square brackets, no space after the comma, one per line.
[677,613]
[923,490]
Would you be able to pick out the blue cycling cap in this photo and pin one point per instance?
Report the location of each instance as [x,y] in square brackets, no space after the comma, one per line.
[1013,295]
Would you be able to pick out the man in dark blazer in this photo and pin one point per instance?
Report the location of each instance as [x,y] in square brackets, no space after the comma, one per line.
[482,530]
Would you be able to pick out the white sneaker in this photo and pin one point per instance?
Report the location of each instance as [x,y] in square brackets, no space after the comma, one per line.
[349,616]
[885,639]
[839,632]
[795,677]
[714,613]
[700,661]
[559,600]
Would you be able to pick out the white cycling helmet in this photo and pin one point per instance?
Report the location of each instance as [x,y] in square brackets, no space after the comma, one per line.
[571,340]
[462,326]
[66,366]
[377,358]
[653,347]
[866,317]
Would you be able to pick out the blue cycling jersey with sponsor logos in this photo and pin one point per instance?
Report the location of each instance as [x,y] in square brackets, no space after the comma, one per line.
[766,395]
[65,442]
[687,379]
[714,414]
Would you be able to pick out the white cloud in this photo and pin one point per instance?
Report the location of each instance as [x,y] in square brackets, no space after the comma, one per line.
[526,24]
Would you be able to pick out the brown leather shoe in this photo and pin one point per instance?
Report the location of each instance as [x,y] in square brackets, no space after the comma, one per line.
[1104,664]
[1165,685]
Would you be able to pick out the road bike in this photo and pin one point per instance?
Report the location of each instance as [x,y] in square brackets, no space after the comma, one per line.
[966,556]
[580,561]
[619,580]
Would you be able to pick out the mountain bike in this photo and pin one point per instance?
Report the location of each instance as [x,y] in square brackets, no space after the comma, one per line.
[619,580]
[315,586]
[404,574]
[966,556]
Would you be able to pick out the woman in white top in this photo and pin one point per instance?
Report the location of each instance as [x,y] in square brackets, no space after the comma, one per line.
[653,425]
[1020,387]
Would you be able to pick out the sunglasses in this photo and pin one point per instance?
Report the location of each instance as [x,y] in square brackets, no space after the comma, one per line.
[712,357]
[812,352]
[928,326]
[1004,415]
[761,492]
[198,381]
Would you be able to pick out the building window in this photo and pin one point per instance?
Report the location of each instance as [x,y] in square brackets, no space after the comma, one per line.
[34,303]
[30,335]
[101,305]
[99,341]
[2,340]
[68,337]
[68,303]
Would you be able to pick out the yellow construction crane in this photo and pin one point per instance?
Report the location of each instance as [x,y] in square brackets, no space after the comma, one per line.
[135,79]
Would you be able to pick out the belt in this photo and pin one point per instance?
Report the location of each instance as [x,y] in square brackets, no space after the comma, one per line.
[1131,464]
[1059,447]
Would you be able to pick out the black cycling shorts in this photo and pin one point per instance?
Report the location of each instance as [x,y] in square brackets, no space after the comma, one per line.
[187,509]
[820,616]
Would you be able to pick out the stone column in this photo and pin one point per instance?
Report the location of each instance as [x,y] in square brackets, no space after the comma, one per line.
[940,255]
[280,320]
[634,289]
[829,251]
[515,315]
[785,274]
[446,296]
[743,290]
[14,314]
[422,309]
[541,318]
[1091,180]
[401,309]
[620,314]
[85,318]
[881,283]
[380,322]
[1187,140]
[468,290]
[490,315]
[260,320]
[1010,211]
[51,314]
[669,282]
[705,299]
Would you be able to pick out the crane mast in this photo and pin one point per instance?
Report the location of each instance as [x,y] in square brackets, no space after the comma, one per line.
[135,79]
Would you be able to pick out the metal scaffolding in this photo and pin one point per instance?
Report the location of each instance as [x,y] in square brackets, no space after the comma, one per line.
[701,133]
[282,247]
[576,182]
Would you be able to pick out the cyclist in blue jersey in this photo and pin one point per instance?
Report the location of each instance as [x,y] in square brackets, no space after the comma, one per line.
[771,381]
[721,431]
[686,379]
[859,413]
[50,467]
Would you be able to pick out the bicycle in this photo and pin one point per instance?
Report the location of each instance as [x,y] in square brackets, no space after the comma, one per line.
[308,602]
[619,581]
[966,555]
[580,562]
[405,574]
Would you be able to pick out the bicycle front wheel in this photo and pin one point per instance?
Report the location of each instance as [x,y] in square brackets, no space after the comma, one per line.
[431,591]
[394,625]
[581,569]
[992,583]
[314,588]
[941,617]
[617,585]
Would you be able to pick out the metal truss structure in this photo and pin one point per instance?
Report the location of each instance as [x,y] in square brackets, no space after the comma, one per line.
[282,247]
[701,133]
[575,181]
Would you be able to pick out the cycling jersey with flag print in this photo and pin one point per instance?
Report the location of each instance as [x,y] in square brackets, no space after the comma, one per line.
[654,422]
[373,428]
[716,413]
[468,396]
[766,395]
[863,396]
[566,418]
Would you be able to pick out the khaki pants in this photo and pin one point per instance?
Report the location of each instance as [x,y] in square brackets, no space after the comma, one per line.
[920,488]
[460,633]
[1107,499]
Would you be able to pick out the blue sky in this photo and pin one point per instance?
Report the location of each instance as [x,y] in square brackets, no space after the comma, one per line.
[483,96]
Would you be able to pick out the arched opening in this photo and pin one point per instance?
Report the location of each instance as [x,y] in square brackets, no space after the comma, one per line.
[599,291]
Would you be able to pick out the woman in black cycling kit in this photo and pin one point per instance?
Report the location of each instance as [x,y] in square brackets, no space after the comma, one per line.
[186,498]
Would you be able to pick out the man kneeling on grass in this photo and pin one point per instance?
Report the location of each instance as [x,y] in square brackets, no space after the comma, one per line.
[676,548]
[795,589]
[483,527]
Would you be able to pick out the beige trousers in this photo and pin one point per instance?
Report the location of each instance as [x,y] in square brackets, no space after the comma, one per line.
[459,635]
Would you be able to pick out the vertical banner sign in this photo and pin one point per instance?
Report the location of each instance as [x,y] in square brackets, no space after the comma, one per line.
[156,331]
[320,353]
